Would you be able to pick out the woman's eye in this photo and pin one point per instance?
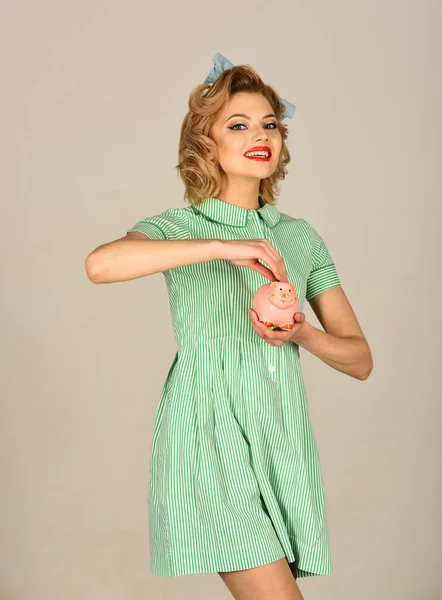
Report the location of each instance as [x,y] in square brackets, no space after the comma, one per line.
[275,126]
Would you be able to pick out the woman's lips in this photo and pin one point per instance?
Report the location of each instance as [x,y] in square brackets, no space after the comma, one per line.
[260,158]
[260,149]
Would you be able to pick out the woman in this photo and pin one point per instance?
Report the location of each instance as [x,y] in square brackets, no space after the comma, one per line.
[235,483]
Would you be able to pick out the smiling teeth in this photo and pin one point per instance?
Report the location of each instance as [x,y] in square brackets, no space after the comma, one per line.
[264,154]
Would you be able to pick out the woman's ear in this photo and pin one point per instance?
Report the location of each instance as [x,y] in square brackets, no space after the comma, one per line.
[213,151]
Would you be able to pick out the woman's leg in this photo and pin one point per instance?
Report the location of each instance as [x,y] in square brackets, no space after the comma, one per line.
[274,581]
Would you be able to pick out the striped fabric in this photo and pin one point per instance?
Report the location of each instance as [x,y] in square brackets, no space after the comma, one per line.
[235,478]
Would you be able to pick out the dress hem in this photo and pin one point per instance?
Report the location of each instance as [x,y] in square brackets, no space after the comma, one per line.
[226,566]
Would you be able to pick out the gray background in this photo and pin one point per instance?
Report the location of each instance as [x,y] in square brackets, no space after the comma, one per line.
[93,96]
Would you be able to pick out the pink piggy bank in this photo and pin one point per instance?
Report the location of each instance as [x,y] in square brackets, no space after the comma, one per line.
[276,304]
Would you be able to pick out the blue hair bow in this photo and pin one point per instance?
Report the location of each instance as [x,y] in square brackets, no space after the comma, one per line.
[221,63]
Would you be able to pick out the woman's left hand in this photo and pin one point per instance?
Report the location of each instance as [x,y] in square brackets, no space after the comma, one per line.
[278,337]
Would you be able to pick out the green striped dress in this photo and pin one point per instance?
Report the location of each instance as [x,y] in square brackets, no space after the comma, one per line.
[235,478]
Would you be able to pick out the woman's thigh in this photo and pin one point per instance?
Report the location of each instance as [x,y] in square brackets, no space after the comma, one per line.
[273,581]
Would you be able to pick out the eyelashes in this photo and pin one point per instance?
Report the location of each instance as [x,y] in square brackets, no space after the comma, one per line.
[275,126]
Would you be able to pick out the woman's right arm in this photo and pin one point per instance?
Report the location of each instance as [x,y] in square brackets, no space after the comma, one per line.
[136,255]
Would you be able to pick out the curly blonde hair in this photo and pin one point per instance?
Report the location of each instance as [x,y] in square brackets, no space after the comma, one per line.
[197,165]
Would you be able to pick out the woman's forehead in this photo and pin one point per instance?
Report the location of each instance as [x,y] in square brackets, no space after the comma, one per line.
[251,104]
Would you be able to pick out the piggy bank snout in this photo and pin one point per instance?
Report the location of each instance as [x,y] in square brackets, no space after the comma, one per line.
[284,296]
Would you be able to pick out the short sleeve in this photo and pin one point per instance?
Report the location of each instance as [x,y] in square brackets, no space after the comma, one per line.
[323,274]
[168,225]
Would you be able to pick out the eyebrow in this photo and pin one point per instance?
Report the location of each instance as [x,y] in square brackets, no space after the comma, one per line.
[247,116]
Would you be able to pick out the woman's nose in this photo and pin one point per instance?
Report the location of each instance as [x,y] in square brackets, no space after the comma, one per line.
[262,135]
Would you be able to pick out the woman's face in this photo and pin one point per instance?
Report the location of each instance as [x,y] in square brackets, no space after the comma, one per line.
[236,135]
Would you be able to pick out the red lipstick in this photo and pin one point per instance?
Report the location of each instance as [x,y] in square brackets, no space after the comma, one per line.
[259,149]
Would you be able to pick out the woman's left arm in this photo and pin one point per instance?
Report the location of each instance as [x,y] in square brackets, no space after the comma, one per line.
[342,345]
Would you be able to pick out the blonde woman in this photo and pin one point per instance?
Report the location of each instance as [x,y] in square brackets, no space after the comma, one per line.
[235,482]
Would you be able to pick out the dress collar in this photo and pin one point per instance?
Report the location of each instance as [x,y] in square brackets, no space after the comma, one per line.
[231,214]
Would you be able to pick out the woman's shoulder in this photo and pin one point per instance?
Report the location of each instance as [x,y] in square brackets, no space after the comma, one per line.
[175,212]
[295,222]
[170,223]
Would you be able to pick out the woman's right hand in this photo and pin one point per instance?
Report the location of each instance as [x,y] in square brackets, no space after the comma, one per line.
[248,253]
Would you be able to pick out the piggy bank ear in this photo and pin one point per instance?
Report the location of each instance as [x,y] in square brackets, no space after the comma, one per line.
[273,286]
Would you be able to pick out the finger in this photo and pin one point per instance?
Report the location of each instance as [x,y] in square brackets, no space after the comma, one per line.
[278,264]
[269,335]
[256,325]
[274,260]
[268,274]
[259,327]
[278,335]
[268,254]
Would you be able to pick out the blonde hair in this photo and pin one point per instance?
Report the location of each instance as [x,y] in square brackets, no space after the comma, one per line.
[198,165]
